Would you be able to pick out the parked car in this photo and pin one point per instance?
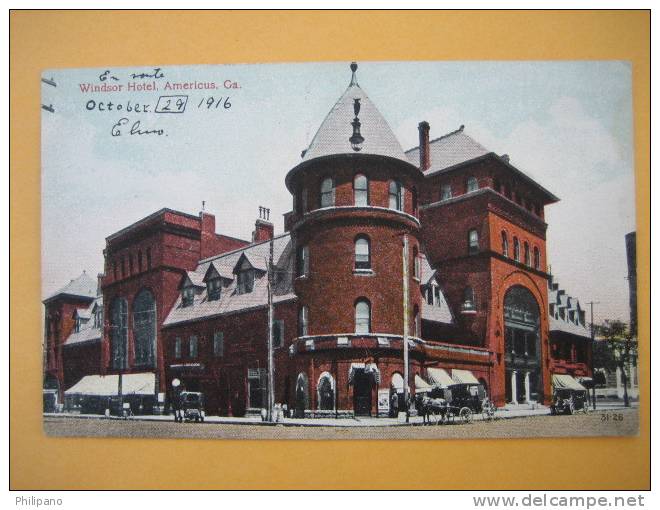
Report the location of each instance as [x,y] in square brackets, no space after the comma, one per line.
[192,403]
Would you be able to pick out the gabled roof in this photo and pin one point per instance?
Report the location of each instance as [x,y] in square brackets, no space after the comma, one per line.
[255,260]
[87,333]
[84,287]
[216,270]
[559,298]
[192,278]
[333,135]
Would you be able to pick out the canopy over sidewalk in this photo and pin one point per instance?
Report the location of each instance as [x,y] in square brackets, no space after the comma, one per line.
[108,385]
[421,386]
[463,377]
[566,382]
[439,377]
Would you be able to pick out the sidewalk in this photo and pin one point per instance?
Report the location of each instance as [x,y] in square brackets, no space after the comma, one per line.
[507,412]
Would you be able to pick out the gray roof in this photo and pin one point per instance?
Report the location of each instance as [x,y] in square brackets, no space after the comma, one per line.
[230,300]
[559,298]
[449,150]
[87,333]
[335,130]
[83,286]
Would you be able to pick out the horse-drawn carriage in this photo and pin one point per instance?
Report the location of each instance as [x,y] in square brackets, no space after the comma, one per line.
[569,401]
[444,404]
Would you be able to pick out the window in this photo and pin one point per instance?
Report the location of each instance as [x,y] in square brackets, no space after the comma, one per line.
[537,258]
[362,316]
[505,244]
[361,190]
[472,184]
[177,347]
[214,287]
[98,317]
[257,384]
[436,296]
[516,249]
[468,299]
[302,263]
[327,192]
[417,266]
[278,333]
[303,317]
[445,192]
[429,296]
[396,196]
[218,343]
[527,256]
[192,347]
[78,323]
[245,281]
[119,333]
[144,328]
[362,253]
[187,296]
[417,323]
[473,241]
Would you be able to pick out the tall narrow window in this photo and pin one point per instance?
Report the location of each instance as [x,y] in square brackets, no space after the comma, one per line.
[245,281]
[417,323]
[362,253]
[327,192]
[303,317]
[362,316]
[187,296]
[505,244]
[302,263]
[445,192]
[361,190]
[528,261]
[473,241]
[214,288]
[537,258]
[119,333]
[193,346]
[144,328]
[417,267]
[396,195]
[516,249]
[218,343]
[278,333]
[177,347]
[472,184]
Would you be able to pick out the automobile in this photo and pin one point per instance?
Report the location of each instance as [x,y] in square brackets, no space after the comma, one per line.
[192,403]
[568,401]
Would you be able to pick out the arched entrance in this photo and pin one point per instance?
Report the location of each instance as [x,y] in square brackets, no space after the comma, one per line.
[326,392]
[522,336]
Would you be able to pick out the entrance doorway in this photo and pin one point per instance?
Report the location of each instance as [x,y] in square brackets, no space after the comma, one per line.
[362,393]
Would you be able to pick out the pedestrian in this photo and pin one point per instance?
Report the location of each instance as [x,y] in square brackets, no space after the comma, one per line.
[394,405]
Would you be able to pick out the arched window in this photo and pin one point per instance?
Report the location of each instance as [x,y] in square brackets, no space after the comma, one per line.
[362,316]
[361,190]
[468,299]
[528,260]
[537,258]
[472,184]
[326,392]
[396,195]
[302,262]
[516,249]
[362,253]
[303,317]
[505,244]
[144,328]
[327,192]
[119,333]
[473,241]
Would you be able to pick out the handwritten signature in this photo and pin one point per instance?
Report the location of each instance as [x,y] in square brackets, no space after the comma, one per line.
[135,129]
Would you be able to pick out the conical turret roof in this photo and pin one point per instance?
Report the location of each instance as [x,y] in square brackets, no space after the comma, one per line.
[332,137]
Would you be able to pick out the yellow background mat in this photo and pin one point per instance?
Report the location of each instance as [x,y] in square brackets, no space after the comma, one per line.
[59,39]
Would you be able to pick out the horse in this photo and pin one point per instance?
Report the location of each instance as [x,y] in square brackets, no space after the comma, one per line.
[427,407]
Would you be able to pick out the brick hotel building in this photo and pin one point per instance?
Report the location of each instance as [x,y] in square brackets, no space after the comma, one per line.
[179,301]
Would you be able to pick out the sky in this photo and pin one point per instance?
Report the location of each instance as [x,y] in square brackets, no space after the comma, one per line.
[566,124]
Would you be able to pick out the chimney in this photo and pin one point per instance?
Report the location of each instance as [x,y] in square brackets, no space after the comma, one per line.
[424,149]
[208,238]
[263,228]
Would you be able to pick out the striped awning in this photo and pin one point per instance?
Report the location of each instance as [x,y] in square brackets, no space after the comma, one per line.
[108,385]
[439,377]
[463,377]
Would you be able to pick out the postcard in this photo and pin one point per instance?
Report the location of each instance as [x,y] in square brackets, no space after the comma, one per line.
[373,250]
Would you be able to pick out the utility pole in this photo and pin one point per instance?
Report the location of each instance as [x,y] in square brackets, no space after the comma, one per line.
[593,338]
[405,325]
[271,393]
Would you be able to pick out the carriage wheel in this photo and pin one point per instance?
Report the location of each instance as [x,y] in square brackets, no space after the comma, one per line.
[466,415]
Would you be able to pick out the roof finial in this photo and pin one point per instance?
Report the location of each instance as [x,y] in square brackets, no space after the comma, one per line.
[353,75]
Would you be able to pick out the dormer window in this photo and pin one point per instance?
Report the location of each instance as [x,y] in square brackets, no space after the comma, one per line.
[214,287]
[187,296]
[472,184]
[445,192]
[245,281]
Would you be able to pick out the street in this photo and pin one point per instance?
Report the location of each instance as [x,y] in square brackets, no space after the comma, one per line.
[600,423]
